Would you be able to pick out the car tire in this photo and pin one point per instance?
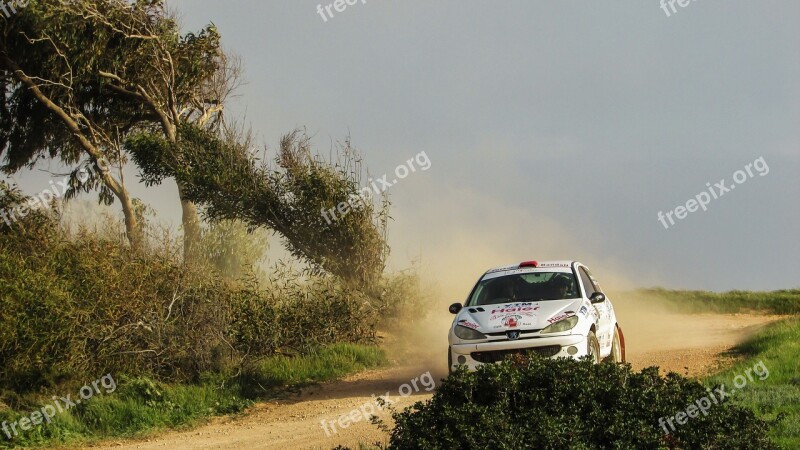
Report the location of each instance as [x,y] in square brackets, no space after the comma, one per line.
[593,347]
[616,350]
[449,361]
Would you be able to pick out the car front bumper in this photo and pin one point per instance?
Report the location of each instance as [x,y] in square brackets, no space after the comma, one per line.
[473,355]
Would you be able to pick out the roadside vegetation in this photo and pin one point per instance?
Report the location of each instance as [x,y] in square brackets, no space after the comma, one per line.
[554,404]
[777,396]
[184,341]
[190,324]
[531,403]
[786,301]
[141,405]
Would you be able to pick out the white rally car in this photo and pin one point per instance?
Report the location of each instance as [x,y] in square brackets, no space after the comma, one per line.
[553,308]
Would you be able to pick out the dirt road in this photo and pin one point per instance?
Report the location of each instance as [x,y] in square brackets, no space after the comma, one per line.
[688,344]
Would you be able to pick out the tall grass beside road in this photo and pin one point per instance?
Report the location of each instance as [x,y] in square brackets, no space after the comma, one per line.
[786,301]
[778,346]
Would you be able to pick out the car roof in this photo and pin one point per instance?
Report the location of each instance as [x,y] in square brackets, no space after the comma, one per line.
[552,264]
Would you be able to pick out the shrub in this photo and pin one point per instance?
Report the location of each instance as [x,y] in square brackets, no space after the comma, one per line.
[558,404]
[73,305]
[295,315]
[402,296]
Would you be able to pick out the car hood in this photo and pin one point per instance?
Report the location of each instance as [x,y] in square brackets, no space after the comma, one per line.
[517,316]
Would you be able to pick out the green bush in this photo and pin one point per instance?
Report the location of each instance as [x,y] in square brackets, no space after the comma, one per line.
[402,295]
[74,305]
[294,315]
[559,404]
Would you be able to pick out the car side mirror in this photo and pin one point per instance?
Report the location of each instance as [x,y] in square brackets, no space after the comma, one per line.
[597,297]
[455,308]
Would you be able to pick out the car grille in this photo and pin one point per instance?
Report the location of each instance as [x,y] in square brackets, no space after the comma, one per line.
[522,333]
[499,355]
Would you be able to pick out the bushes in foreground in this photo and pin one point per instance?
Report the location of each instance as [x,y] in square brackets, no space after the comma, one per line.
[558,404]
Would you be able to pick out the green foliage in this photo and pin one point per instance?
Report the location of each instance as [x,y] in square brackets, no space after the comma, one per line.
[327,363]
[403,302]
[72,307]
[97,53]
[221,175]
[296,314]
[122,72]
[562,403]
[142,405]
[786,301]
[231,249]
[777,396]
[79,76]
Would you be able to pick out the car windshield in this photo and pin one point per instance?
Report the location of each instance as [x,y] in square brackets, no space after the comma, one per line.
[534,286]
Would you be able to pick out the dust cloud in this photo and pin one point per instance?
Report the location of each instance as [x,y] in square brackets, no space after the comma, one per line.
[472,233]
[458,235]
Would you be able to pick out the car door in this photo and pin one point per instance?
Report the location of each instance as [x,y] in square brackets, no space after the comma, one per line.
[605,328]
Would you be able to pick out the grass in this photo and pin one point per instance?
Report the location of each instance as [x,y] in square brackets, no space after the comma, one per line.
[778,395]
[785,301]
[777,346]
[329,363]
[141,406]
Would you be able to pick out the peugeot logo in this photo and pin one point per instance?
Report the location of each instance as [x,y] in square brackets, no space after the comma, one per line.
[513,335]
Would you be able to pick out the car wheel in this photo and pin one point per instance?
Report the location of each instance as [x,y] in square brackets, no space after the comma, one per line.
[616,349]
[593,347]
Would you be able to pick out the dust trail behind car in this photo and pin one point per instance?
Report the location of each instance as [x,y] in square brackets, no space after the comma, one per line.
[657,335]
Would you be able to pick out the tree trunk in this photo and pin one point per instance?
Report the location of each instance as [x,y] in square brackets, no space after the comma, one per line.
[191,227]
[132,226]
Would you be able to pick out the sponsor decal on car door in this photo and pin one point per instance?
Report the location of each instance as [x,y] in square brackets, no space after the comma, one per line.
[604,325]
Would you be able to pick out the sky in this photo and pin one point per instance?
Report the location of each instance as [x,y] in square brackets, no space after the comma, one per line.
[554,130]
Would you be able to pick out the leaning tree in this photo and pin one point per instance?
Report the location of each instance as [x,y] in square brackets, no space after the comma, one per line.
[80,76]
[223,174]
[104,79]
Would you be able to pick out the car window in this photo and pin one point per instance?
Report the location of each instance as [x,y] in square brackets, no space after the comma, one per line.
[596,285]
[536,286]
[588,284]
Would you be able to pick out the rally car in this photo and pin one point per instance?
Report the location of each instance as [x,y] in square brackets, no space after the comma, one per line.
[553,308]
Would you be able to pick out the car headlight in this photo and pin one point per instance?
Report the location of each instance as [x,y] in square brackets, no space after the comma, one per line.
[562,325]
[468,333]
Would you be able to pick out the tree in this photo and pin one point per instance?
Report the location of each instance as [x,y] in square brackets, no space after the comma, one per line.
[80,76]
[289,197]
[99,78]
